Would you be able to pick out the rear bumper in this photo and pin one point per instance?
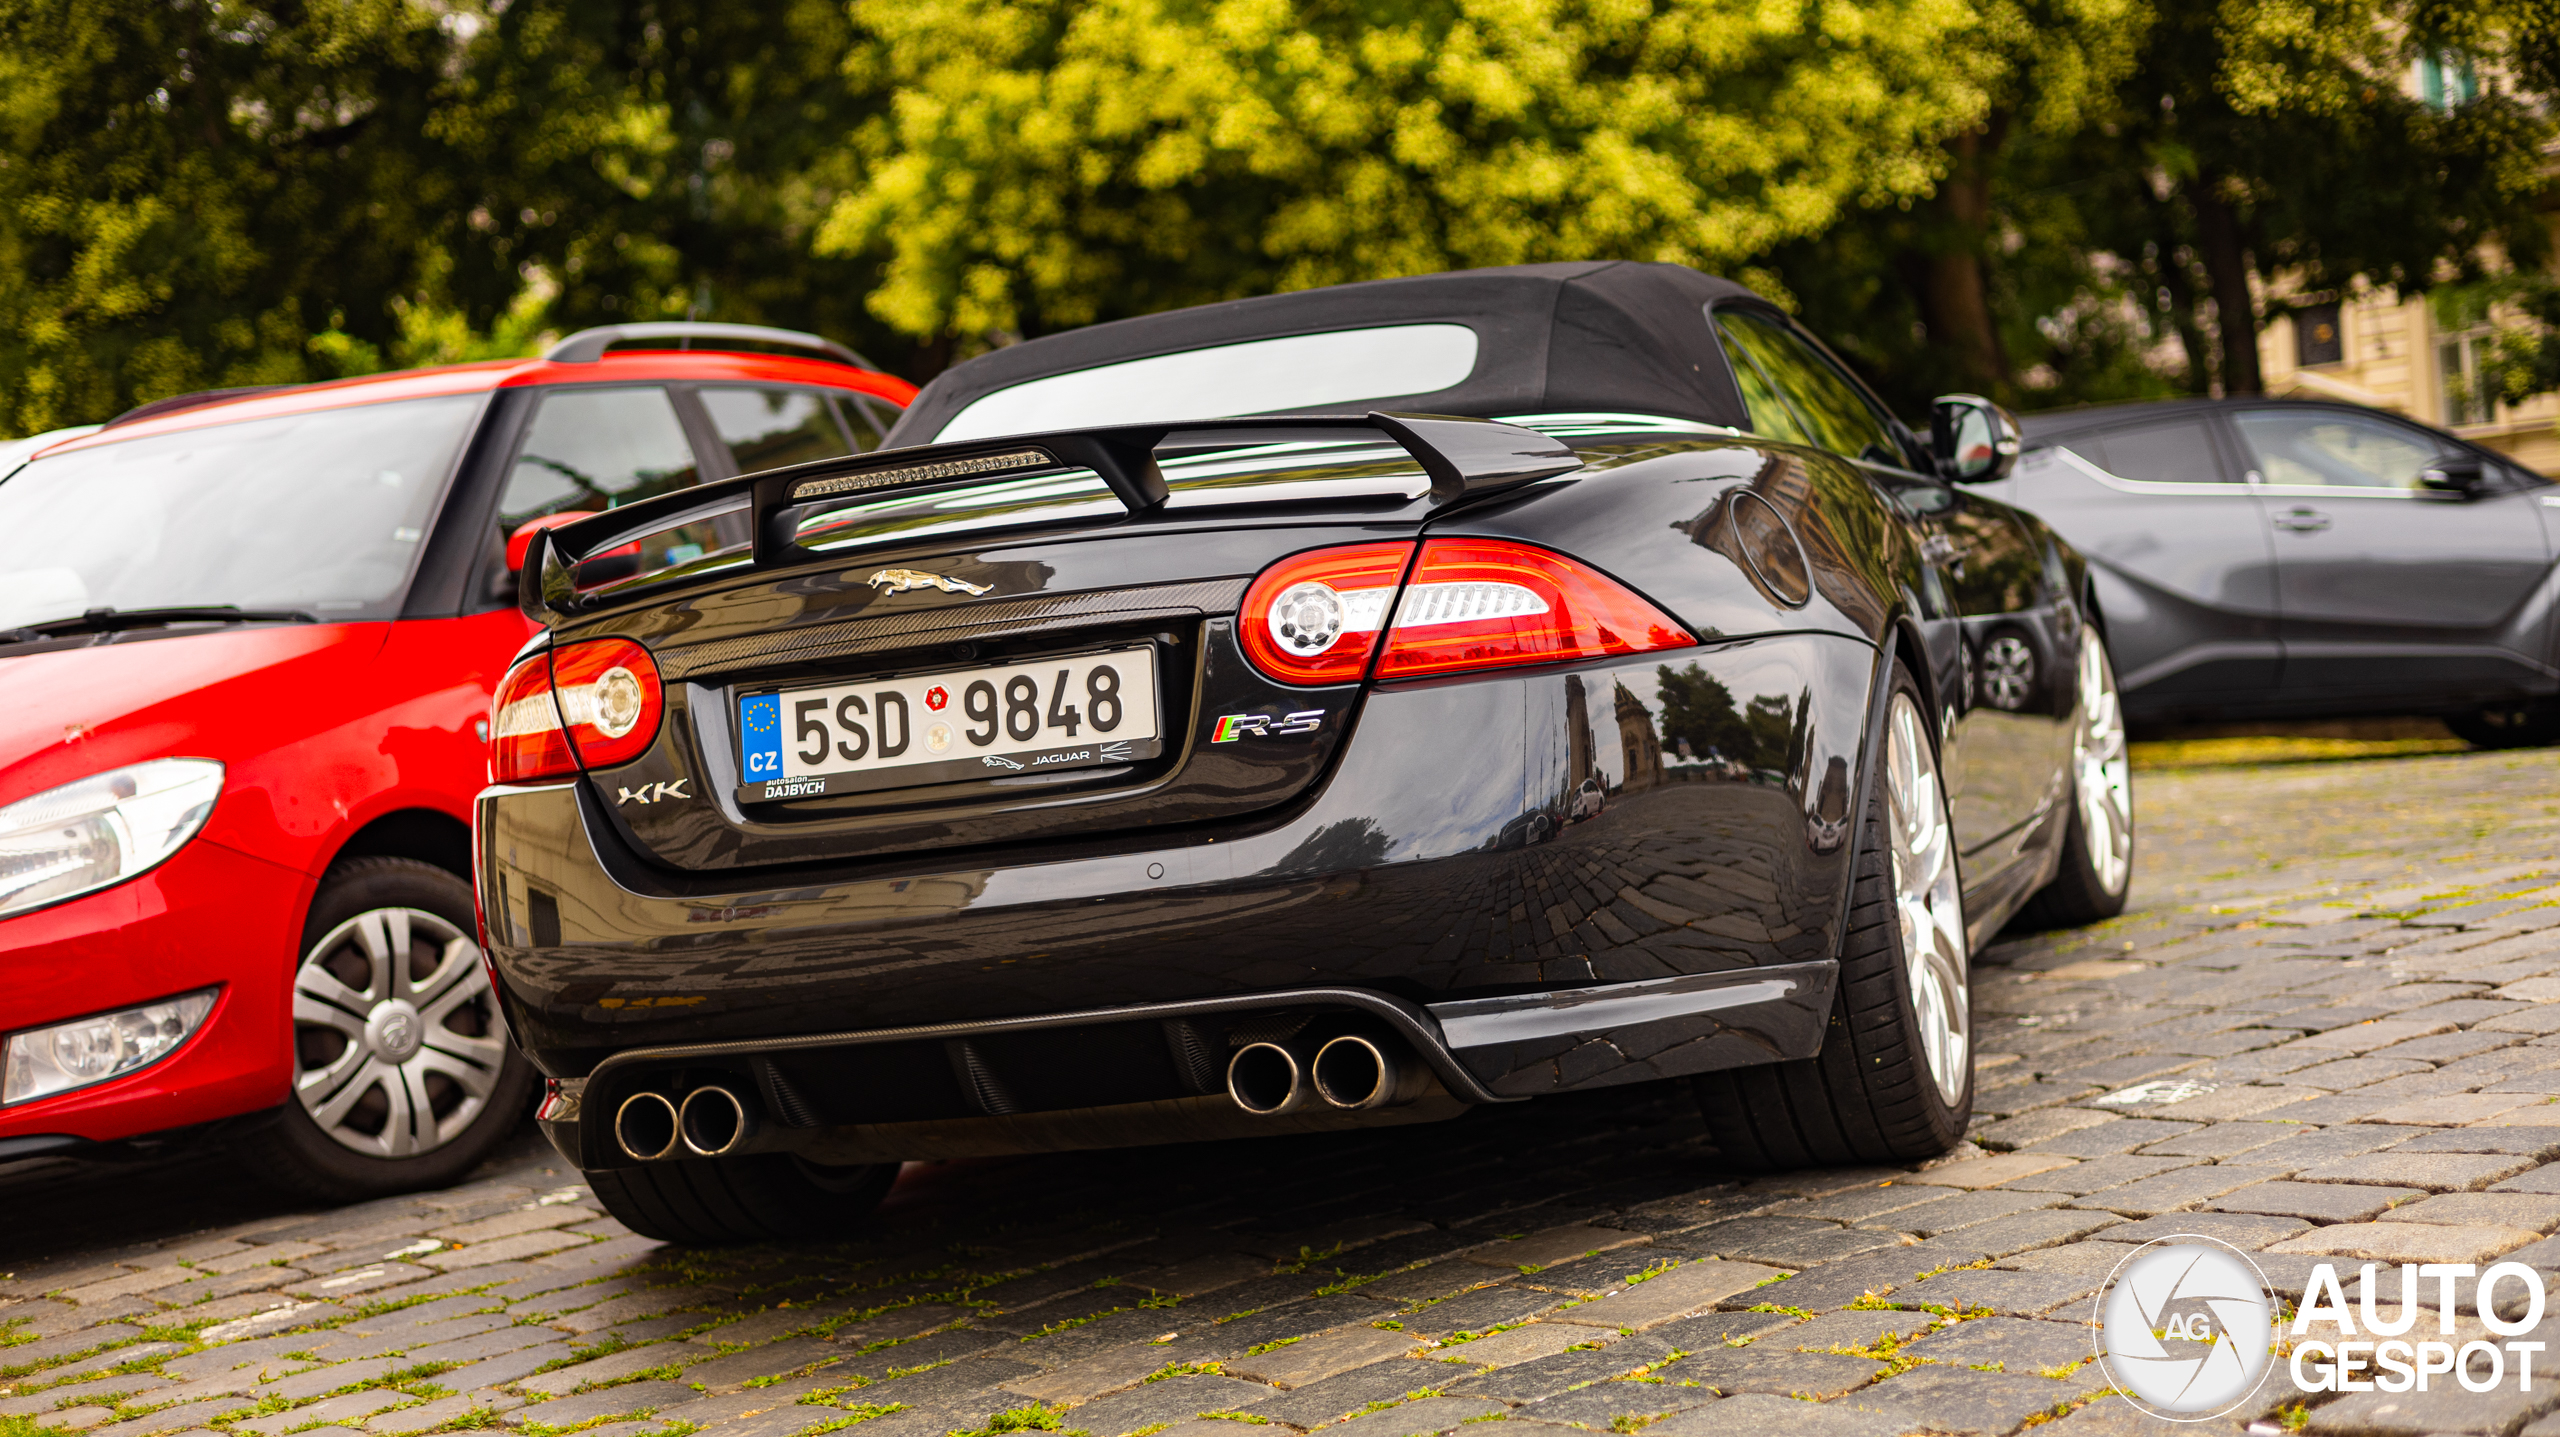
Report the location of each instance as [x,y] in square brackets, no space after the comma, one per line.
[1455,872]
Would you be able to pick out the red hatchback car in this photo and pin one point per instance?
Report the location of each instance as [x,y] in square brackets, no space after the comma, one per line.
[247,646]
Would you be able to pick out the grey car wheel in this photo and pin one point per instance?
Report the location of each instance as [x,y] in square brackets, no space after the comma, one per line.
[1894,1079]
[1927,903]
[2095,869]
[2102,770]
[397,1037]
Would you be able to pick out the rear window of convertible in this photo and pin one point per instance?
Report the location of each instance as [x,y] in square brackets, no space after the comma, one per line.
[1261,376]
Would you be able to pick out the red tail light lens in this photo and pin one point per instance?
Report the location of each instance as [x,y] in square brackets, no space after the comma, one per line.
[610,699]
[525,737]
[1314,618]
[598,702]
[1485,603]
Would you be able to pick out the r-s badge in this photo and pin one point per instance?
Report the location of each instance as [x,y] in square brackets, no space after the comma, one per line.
[1235,726]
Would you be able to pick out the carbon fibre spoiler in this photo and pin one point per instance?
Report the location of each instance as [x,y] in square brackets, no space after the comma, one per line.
[1464,459]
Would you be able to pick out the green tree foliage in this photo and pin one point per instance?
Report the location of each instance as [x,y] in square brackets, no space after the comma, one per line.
[228,192]
[2228,149]
[1048,163]
[192,192]
[2012,195]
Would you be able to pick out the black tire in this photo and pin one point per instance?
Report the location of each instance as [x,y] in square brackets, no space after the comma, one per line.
[2519,725]
[717,1202]
[294,1153]
[1868,1096]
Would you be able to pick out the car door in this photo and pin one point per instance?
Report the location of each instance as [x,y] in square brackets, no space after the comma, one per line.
[2390,590]
[2182,557]
[2000,759]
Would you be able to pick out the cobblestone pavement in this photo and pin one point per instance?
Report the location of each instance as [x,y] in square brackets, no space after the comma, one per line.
[2329,1026]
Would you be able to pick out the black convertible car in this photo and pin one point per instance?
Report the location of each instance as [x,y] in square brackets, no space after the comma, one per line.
[1319,711]
[2265,558]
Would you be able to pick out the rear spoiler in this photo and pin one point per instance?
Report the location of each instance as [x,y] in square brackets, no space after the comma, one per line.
[1464,458]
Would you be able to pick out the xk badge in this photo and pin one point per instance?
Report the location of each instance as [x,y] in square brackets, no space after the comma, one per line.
[1235,726]
[652,792]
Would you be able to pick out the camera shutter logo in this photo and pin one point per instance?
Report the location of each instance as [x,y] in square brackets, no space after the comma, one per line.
[2184,1326]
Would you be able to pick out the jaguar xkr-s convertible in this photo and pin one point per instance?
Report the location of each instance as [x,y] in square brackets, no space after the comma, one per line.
[1328,710]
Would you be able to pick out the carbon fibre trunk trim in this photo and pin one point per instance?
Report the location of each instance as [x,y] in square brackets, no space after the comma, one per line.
[957,622]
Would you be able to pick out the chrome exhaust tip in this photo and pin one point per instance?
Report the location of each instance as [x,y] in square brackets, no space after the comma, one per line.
[1267,1080]
[1357,1071]
[645,1126]
[714,1121]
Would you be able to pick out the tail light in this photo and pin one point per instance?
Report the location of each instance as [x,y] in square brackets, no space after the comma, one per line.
[1484,603]
[1314,618]
[597,703]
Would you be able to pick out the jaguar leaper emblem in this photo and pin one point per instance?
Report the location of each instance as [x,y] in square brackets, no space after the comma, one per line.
[898,581]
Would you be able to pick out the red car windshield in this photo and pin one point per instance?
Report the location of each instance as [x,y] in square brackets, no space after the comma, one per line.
[322,512]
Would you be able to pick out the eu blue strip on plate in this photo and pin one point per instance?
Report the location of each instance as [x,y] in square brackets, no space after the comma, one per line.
[760,722]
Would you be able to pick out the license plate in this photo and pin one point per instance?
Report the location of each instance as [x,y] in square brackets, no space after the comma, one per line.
[1012,720]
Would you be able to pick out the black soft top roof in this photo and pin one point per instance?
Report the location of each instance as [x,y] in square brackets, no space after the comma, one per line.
[1555,338]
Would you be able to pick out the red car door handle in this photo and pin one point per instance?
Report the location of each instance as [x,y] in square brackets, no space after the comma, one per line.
[2302,521]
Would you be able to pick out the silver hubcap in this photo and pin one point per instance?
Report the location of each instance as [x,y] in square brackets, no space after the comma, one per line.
[397,1038]
[1927,900]
[2102,771]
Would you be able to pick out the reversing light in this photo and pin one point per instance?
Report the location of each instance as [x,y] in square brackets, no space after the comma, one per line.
[1313,618]
[595,703]
[525,737]
[1488,603]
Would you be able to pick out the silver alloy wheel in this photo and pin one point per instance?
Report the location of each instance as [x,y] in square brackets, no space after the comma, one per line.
[2102,771]
[2008,672]
[418,1046]
[1927,900]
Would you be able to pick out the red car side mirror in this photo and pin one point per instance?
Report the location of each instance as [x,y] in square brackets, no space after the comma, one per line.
[522,539]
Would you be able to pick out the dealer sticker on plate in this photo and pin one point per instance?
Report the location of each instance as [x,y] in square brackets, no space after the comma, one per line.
[1002,721]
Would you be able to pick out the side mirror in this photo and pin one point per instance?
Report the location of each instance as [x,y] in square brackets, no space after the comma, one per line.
[1975,441]
[2461,474]
[604,568]
[522,539]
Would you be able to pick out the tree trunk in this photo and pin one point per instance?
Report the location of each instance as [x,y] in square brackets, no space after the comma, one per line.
[2226,264]
[2182,297]
[1955,301]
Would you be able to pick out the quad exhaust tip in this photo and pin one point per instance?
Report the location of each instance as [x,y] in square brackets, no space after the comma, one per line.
[713,1121]
[1267,1080]
[645,1126]
[1356,1071]
[1353,1072]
